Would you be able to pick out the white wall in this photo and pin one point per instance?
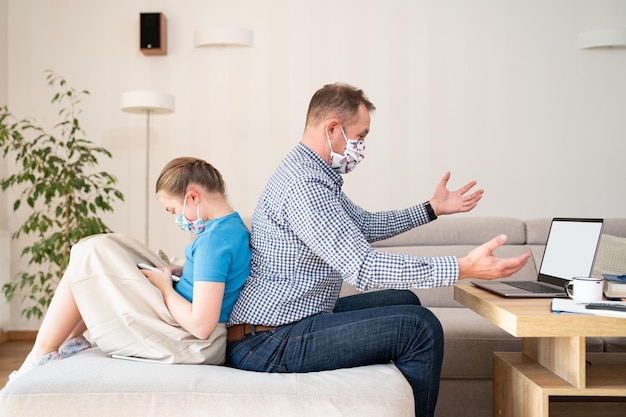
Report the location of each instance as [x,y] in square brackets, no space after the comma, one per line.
[3,93]
[5,262]
[5,258]
[492,90]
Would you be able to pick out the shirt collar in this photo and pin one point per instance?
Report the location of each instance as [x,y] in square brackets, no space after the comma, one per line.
[308,152]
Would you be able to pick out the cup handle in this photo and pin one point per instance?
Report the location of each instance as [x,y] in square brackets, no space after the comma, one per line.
[568,286]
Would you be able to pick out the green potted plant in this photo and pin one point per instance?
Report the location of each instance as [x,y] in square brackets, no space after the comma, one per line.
[61,189]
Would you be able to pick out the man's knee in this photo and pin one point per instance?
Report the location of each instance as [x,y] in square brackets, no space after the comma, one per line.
[402,297]
[434,323]
[426,323]
[409,297]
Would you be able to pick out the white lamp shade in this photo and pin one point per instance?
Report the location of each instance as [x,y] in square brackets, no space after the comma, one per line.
[144,101]
[602,38]
[223,36]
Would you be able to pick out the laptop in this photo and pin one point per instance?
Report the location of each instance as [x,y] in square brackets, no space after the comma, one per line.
[570,252]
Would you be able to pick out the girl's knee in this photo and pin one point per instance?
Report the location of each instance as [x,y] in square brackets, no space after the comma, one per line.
[87,243]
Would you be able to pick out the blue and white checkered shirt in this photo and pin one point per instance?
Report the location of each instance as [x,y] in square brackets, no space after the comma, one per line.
[307,237]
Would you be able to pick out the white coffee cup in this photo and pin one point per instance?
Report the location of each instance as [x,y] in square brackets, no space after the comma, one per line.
[585,289]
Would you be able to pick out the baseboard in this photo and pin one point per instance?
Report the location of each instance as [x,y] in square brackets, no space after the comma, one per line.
[21,335]
[24,335]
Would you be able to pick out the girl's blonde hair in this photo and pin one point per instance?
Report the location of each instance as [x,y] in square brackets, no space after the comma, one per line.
[180,172]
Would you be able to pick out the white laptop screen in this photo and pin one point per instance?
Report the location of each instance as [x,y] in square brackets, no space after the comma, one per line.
[571,248]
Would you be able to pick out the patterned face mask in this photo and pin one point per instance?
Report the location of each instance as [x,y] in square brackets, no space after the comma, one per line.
[196,226]
[352,155]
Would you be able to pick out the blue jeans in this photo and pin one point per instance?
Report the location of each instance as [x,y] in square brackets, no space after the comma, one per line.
[364,329]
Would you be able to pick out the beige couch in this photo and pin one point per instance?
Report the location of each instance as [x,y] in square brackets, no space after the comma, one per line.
[466,380]
[92,384]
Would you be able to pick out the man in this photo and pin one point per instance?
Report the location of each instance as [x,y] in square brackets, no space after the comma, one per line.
[308,237]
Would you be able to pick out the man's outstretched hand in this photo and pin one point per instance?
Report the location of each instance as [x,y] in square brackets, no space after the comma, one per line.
[445,201]
[481,263]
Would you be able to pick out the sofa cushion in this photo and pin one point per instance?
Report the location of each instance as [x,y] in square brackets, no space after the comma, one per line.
[615,227]
[614,344]
[611,256]
[537,231]
[458,230]
[470,341]
[461,398]
[90,383]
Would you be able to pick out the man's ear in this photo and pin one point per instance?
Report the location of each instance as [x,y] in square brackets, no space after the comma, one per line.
[331,125]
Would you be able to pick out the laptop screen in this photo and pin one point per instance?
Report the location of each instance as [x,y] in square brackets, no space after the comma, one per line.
[570,250]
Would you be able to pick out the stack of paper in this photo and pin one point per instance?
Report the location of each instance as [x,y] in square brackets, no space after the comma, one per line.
[566,305]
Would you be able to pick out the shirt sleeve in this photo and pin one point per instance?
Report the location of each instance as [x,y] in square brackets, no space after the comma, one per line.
[212,259]
[318,216]
[384,224]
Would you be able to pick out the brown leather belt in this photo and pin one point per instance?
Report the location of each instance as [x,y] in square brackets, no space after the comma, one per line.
[239,331]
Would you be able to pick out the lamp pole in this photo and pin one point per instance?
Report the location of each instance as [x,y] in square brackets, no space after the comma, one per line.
[147,191]
[148,103]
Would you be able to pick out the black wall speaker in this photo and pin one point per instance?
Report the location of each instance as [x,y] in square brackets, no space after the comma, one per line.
[153,34]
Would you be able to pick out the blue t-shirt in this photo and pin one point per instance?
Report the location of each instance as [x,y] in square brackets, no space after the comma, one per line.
[221,253]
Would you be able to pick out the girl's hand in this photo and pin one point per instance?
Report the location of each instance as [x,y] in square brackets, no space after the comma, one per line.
[162,280]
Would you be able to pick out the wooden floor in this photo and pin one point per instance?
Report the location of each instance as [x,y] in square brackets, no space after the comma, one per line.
[12,354]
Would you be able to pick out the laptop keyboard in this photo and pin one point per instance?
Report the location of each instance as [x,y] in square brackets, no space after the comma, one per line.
[534,287]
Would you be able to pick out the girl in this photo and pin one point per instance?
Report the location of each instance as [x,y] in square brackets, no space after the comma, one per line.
[133,313]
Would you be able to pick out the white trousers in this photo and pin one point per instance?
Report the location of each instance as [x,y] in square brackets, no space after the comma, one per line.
[125,314]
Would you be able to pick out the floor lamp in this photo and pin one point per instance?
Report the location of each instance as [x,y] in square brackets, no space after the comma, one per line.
[148,103]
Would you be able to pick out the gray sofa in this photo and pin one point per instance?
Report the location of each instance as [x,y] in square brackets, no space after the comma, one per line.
[92,384]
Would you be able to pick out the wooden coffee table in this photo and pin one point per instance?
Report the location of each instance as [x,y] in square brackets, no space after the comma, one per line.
[553,359]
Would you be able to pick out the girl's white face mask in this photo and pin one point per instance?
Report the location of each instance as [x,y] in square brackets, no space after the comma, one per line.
[196,226]
[352,155]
